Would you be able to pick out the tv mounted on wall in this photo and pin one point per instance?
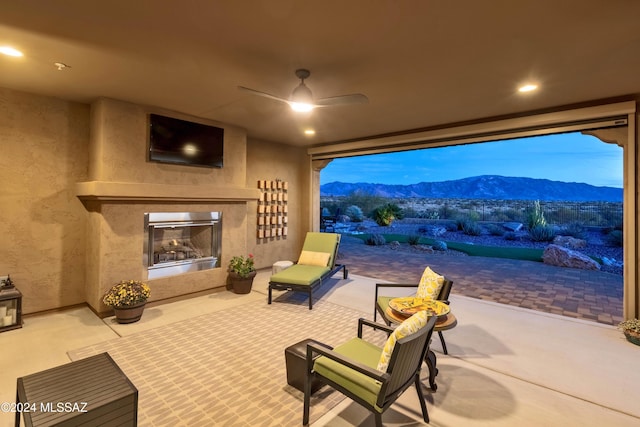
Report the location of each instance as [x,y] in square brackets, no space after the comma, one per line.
[181,142]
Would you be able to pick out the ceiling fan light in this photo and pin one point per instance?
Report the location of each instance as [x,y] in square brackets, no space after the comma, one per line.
[301,94]
[301,107]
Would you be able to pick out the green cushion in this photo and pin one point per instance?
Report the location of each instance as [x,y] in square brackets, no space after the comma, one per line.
[383,302]
[299,274]
[357,383]
[322,242]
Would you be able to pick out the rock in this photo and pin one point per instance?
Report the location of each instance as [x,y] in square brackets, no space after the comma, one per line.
[434,230]
[512,226]
[424,248]
[570,242]
[612,262]
[343,218]
[439,245]
[394,245]
[565,257]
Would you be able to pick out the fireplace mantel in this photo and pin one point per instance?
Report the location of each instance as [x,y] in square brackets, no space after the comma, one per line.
[130,191]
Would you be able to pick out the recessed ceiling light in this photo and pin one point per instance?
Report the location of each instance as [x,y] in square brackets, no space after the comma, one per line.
[528,88]
[309,132]
[7,50]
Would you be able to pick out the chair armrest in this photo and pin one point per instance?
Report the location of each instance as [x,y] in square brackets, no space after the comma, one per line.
[383,377]
[393,285]
[374,325]
[397,285]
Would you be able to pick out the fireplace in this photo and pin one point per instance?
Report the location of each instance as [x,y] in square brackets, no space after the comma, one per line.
[181,242]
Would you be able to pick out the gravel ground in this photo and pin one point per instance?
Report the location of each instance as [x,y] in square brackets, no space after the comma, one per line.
[596,244]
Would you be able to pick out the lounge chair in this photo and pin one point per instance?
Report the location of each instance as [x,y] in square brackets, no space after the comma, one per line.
[317,262]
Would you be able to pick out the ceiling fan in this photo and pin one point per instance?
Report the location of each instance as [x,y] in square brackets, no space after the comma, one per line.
[301,98]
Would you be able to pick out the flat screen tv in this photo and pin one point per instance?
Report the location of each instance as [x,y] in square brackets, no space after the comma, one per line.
[179,141]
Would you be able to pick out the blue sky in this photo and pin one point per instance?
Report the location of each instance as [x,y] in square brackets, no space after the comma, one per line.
[569,157]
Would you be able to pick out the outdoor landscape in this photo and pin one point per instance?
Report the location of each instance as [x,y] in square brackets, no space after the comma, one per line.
[486,216]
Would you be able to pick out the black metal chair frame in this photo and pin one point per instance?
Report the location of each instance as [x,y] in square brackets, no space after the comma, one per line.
[443,296]
[280,286]
[307,288]
[403,371]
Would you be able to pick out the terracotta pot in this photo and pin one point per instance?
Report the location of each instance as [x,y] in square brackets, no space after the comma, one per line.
[241,285]
[130,313]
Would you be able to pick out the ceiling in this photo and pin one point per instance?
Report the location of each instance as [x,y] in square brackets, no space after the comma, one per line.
[421,63]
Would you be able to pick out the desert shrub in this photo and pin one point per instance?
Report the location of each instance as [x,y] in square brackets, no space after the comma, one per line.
[439,245]
[542,233]
[473,216]
[615,238]
[384,215]
[446,212]
[451,226]
[512,214]
[355,213]
[564,214]
[366,202]
[471,228]
[536,216]
[495,230]
[510,235]
[427,215]
[413,239]
[376,240]
[574,229]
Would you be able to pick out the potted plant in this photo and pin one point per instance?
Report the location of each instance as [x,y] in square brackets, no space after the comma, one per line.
[128,298]
[241,273]
[631,330]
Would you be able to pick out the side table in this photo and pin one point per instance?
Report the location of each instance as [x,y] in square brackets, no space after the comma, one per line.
[91,391]
[444,323]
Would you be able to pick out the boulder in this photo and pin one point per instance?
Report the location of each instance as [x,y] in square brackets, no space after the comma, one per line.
[513,226]
[570,242]
[394,245]
[565,257]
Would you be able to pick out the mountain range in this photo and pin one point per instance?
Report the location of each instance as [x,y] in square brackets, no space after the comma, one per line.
[493,187]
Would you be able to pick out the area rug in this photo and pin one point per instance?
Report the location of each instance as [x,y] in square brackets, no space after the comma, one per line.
[228,367]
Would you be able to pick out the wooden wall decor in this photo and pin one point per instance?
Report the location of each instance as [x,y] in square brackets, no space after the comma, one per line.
[272,209]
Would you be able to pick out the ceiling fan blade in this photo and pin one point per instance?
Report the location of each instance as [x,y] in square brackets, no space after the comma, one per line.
[264,94]
[354,98]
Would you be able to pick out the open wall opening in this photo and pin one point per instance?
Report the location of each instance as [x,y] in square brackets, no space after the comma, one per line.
[614,123]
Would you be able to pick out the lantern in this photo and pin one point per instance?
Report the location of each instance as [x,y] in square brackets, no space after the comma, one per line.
[10,305]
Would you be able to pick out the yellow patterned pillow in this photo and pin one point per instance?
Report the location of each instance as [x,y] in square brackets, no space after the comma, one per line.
[320,259]
[430,284]
[411,325]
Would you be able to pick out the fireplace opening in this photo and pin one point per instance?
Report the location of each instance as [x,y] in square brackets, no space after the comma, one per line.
[181,242]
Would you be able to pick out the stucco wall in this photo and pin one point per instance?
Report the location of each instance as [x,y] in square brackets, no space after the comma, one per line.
[271,161]
[44,153]
[61,249]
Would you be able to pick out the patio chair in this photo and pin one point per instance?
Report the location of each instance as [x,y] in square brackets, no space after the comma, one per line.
[316,263]
[439,290]
[373,376]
